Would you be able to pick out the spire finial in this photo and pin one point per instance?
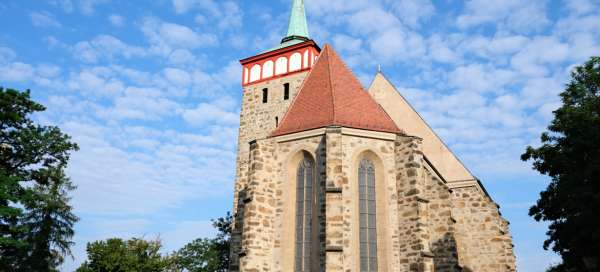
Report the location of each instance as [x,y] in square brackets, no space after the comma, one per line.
[379,68]
[298,28]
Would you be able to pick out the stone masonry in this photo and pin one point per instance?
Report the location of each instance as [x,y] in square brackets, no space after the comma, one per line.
[426,225]
[338,179]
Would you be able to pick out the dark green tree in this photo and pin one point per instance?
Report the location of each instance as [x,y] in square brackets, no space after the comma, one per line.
[32,161]
[50,221]
[570,155]
[208,255]
[116,255]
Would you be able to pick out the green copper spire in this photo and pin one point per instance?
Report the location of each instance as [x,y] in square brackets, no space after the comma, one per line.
[298,28]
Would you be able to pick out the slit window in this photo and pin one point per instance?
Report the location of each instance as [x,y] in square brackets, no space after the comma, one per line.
[286,91]
[265,95]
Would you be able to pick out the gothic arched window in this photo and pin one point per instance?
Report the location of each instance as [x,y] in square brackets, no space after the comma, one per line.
[305,199]
[368,216]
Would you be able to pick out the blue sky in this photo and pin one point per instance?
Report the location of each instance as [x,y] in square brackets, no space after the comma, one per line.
[151,92]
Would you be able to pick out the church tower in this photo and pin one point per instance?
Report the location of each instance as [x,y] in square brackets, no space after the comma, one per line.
[332,177]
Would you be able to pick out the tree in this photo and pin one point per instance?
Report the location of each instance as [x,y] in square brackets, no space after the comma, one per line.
[208,255]
[570,155]
[50,223]
[32,161]
[116,255]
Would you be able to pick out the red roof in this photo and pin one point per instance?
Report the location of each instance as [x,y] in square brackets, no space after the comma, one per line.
[332,96]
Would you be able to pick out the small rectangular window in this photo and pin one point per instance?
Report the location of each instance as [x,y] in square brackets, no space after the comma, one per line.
[286,91]
[265,97]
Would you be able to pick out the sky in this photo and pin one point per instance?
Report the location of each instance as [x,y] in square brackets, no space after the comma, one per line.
[150,90]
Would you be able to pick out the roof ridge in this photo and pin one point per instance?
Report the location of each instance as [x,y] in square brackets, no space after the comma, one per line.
[312,108]
[328,50]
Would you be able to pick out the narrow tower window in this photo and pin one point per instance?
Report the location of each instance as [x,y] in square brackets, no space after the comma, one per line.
[265,95]
[368,231]
[276,121]
[286,91]
[304,215]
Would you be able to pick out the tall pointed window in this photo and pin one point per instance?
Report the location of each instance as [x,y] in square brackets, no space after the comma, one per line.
[304,214]
[368,217]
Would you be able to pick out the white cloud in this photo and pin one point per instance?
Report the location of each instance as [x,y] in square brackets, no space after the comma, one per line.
[98,82]
[413,12]
[534,57]
[338,7]
[65,5]
[226,15]
[116,20]
[164,37]
[42,74]
[6,55]
[581,7]
[129,182]
[493,48]
[105,47]
[181,57]
[217,112]
[346,43]
[395,44]
[141,104]
[441,52]
[516,15]
[480,78]
[178,77]
[17,71]
[88,6]
[43,19]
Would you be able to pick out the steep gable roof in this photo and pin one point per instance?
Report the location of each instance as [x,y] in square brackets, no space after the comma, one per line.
[446,163]
[332,95]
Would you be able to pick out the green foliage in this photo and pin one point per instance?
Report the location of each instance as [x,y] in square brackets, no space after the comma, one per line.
[116,255]
[50,222]
[201,255]
[570,155]
[559,268]
[35,219]
[135,255]
[208,255]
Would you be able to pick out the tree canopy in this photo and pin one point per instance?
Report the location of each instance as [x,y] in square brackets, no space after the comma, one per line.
[208,255]
[36,220]
[570,155]
[200,255]
[119,255]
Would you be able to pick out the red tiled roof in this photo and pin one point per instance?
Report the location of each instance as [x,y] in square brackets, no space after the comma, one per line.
[332,96]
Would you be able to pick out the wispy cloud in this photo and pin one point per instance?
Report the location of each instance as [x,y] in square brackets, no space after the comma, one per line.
[154,98]
[44,19]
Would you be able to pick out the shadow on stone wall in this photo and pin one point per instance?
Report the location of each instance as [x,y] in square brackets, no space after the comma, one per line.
[446,255]
[236,235]
[321,159]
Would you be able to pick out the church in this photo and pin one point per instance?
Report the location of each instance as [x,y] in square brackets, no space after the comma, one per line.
[335,177]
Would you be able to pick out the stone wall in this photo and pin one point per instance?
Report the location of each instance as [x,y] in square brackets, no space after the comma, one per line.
[257,120]
[259,208]
[442,241]
[413,231]
[288,155]
[345,149]
[426,225]
[483,239]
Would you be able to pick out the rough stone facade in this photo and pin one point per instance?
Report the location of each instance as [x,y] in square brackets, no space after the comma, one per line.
[423,224]
[424,221]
